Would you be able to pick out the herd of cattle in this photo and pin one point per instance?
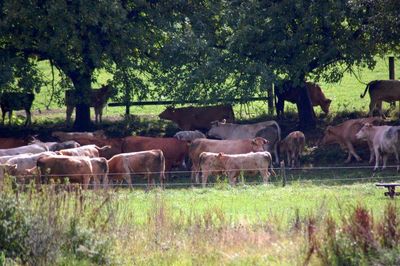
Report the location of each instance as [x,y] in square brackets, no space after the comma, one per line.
[233,149]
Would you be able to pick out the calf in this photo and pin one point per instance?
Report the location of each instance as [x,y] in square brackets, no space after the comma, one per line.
[189,135]
[381,90]
[233,165]
[287,92]
[91,151]
[100,171]
[345,135]
[191,118]
[98,99]
[10,101]
[149,163]
[385,140]
[226,146]
[293,146]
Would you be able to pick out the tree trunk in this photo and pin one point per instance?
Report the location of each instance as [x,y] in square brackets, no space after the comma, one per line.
[82,86]
[306,113]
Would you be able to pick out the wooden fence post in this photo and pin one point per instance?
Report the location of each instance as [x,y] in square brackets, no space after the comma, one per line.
[283,173]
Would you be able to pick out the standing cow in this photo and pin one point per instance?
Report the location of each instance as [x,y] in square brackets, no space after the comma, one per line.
[98,99]
[226,146]
[269,130]
[381,90]
[191,118]
[293,147]
[287,92]
[10,101]
[149,164]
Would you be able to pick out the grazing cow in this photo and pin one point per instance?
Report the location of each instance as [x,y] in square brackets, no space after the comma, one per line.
[293,146]
[25,162]
[174,150]
[234,164]
[189,135]
[382,90]
[291,94]
[226,146]
[385,140]
[268,130]
[98,99]
[64,136]
[191,118]
[345,135]
[10,101]
[77,169]
[149,163]
[7,143]
[91,151]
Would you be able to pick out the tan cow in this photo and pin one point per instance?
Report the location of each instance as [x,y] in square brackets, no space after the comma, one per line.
[226,146]
[385,140]
[100,171]
[344,134]
[65,136]
[149,163]
[293,147]
[91,151]
[382,90]
[233,165]
[98,99]
[191,118]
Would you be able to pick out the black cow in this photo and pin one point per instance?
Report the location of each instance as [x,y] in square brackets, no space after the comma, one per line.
[10,101]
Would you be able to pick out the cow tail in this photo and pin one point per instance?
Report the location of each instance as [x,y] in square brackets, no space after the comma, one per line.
[365,91]
[103,148]
[162,170]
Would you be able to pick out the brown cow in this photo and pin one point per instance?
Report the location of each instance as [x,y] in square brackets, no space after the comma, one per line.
[382,90]
[291,94]
[293,146]
[174,150]
[233,165]
[98,99]
[345,135]
[100,170]
[226,146]
[191,118]
[8,143]
[149,163]
[77,169]
[91,151]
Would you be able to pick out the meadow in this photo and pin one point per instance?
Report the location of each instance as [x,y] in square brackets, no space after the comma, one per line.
[321,217]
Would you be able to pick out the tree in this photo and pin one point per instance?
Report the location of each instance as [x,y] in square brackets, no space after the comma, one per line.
[237,47]
[80,37]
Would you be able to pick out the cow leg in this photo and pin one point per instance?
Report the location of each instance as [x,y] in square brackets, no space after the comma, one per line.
[70,109]
[371,152]
[371,108]
[101,114]
[28,119]
[265,175]
[3,116]
[397,159]
[204,178]
[377,158]
[276,153]
[9,117]
[350,147]
[86,180]
[288,158]
[384,159]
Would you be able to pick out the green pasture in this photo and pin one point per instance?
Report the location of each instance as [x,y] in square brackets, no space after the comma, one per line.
[345,96]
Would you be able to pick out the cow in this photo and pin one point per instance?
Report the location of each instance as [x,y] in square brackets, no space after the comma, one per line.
[191,118]
[65,136]
[174,150]
[25,162]
[91,151]
[55,146]
[345,135]
[4,159]
[269,130]
[98,99]
[31,148]
[226,146]
[149,163]
[234,164]
[381,90]
[287,92]
[189,135]
[385,140]
[7,143]
[293,146]
[100,171]
[77,169]
[10,101]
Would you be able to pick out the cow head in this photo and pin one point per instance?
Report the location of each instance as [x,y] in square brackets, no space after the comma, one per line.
[325,105]
[218,129]
[258,143]
[168,113]
[364,132]
[108,91]
[329,136]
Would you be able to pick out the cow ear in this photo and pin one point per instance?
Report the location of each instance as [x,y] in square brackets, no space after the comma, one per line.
[328,100]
